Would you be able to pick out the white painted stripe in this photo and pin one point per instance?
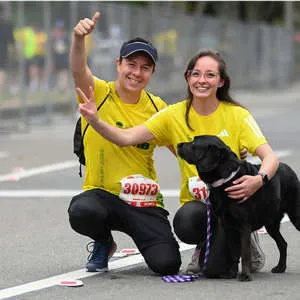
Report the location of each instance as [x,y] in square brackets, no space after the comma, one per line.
[79,274]
[60,193]
[39,170]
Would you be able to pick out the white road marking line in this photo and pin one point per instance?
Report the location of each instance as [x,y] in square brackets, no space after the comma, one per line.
[59,193]
[40,170]
[114,265]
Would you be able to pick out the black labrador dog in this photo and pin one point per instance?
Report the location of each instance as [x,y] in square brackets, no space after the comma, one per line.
[218,166]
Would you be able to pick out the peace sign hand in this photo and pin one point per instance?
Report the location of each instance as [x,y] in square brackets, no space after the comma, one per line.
[88,108]
[86,26]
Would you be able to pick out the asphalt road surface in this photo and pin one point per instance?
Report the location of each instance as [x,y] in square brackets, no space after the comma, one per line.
[38,248]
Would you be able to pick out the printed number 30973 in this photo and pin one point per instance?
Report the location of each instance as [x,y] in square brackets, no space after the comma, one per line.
[141,188]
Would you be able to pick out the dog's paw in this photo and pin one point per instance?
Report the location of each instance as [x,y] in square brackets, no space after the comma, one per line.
[244,277]
[279,269]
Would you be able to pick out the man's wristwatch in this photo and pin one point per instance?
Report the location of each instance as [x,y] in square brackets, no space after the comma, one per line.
[264,177]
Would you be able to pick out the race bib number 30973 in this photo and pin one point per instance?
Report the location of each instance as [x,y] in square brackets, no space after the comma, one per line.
[139,191]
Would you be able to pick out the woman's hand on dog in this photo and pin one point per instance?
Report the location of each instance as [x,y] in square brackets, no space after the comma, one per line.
[244,187]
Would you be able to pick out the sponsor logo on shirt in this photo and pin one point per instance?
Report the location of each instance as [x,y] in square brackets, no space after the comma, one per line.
[223,133]
[143,146]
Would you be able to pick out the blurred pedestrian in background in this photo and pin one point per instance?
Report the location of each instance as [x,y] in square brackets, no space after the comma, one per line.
[6,44]
[166,42]
[40,52]
[26,43]
[60,43]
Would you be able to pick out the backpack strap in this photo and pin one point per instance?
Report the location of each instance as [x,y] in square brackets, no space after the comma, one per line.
[85,129]
[100,105]
[152,101]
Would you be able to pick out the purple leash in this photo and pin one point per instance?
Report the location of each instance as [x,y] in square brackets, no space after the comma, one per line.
[208,234]
[189,278]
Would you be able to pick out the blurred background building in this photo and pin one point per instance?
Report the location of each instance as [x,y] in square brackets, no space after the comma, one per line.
[259,40]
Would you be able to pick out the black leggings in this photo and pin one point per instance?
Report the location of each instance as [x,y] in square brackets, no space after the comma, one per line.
[190,224]
[95,213]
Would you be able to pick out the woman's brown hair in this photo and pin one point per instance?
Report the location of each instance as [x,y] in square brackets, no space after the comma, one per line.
[222,92]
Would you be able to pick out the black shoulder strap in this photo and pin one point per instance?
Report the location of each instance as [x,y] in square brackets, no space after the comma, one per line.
[152,101]
[100,105]
[87,125]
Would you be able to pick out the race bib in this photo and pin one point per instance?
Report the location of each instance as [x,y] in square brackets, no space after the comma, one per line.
[139,191]
[198,189]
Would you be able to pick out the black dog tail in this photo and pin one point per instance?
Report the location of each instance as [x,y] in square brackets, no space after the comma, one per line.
[291,194]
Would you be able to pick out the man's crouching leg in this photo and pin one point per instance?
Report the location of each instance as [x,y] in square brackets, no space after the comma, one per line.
[163,258]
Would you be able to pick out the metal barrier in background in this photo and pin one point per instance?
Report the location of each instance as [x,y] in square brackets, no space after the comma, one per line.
[38,77]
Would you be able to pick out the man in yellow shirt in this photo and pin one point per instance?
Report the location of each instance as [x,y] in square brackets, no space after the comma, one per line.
[120,184]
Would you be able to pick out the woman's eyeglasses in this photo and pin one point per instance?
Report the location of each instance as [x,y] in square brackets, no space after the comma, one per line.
[208,75]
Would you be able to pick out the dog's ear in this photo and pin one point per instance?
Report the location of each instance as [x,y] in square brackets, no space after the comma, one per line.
[229,162]
[208,158]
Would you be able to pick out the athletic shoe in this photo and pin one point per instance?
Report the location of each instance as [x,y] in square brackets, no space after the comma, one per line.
[194,268]
[99,256]
[257,255]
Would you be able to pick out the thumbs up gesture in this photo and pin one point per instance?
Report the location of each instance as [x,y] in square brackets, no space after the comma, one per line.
[86,25]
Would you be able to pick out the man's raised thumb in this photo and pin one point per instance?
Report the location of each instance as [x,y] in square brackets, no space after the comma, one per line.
[95,17]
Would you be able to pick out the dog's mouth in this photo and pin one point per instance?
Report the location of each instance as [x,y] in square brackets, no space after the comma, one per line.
[184,152]
[206,163]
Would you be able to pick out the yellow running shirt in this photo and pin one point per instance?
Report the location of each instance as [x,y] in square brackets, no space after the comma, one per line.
[106,163]
[233,124]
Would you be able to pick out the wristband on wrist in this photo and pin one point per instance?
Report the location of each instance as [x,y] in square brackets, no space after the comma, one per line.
[264,177]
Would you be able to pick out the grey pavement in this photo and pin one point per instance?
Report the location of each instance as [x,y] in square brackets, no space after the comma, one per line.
[269,96]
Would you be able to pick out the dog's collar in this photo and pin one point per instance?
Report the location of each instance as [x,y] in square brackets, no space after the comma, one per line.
[221,181]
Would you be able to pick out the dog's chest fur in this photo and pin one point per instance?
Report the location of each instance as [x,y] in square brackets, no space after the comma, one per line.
[253,211]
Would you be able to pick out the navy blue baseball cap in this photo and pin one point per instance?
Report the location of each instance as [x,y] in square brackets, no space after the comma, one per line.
[134,47]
